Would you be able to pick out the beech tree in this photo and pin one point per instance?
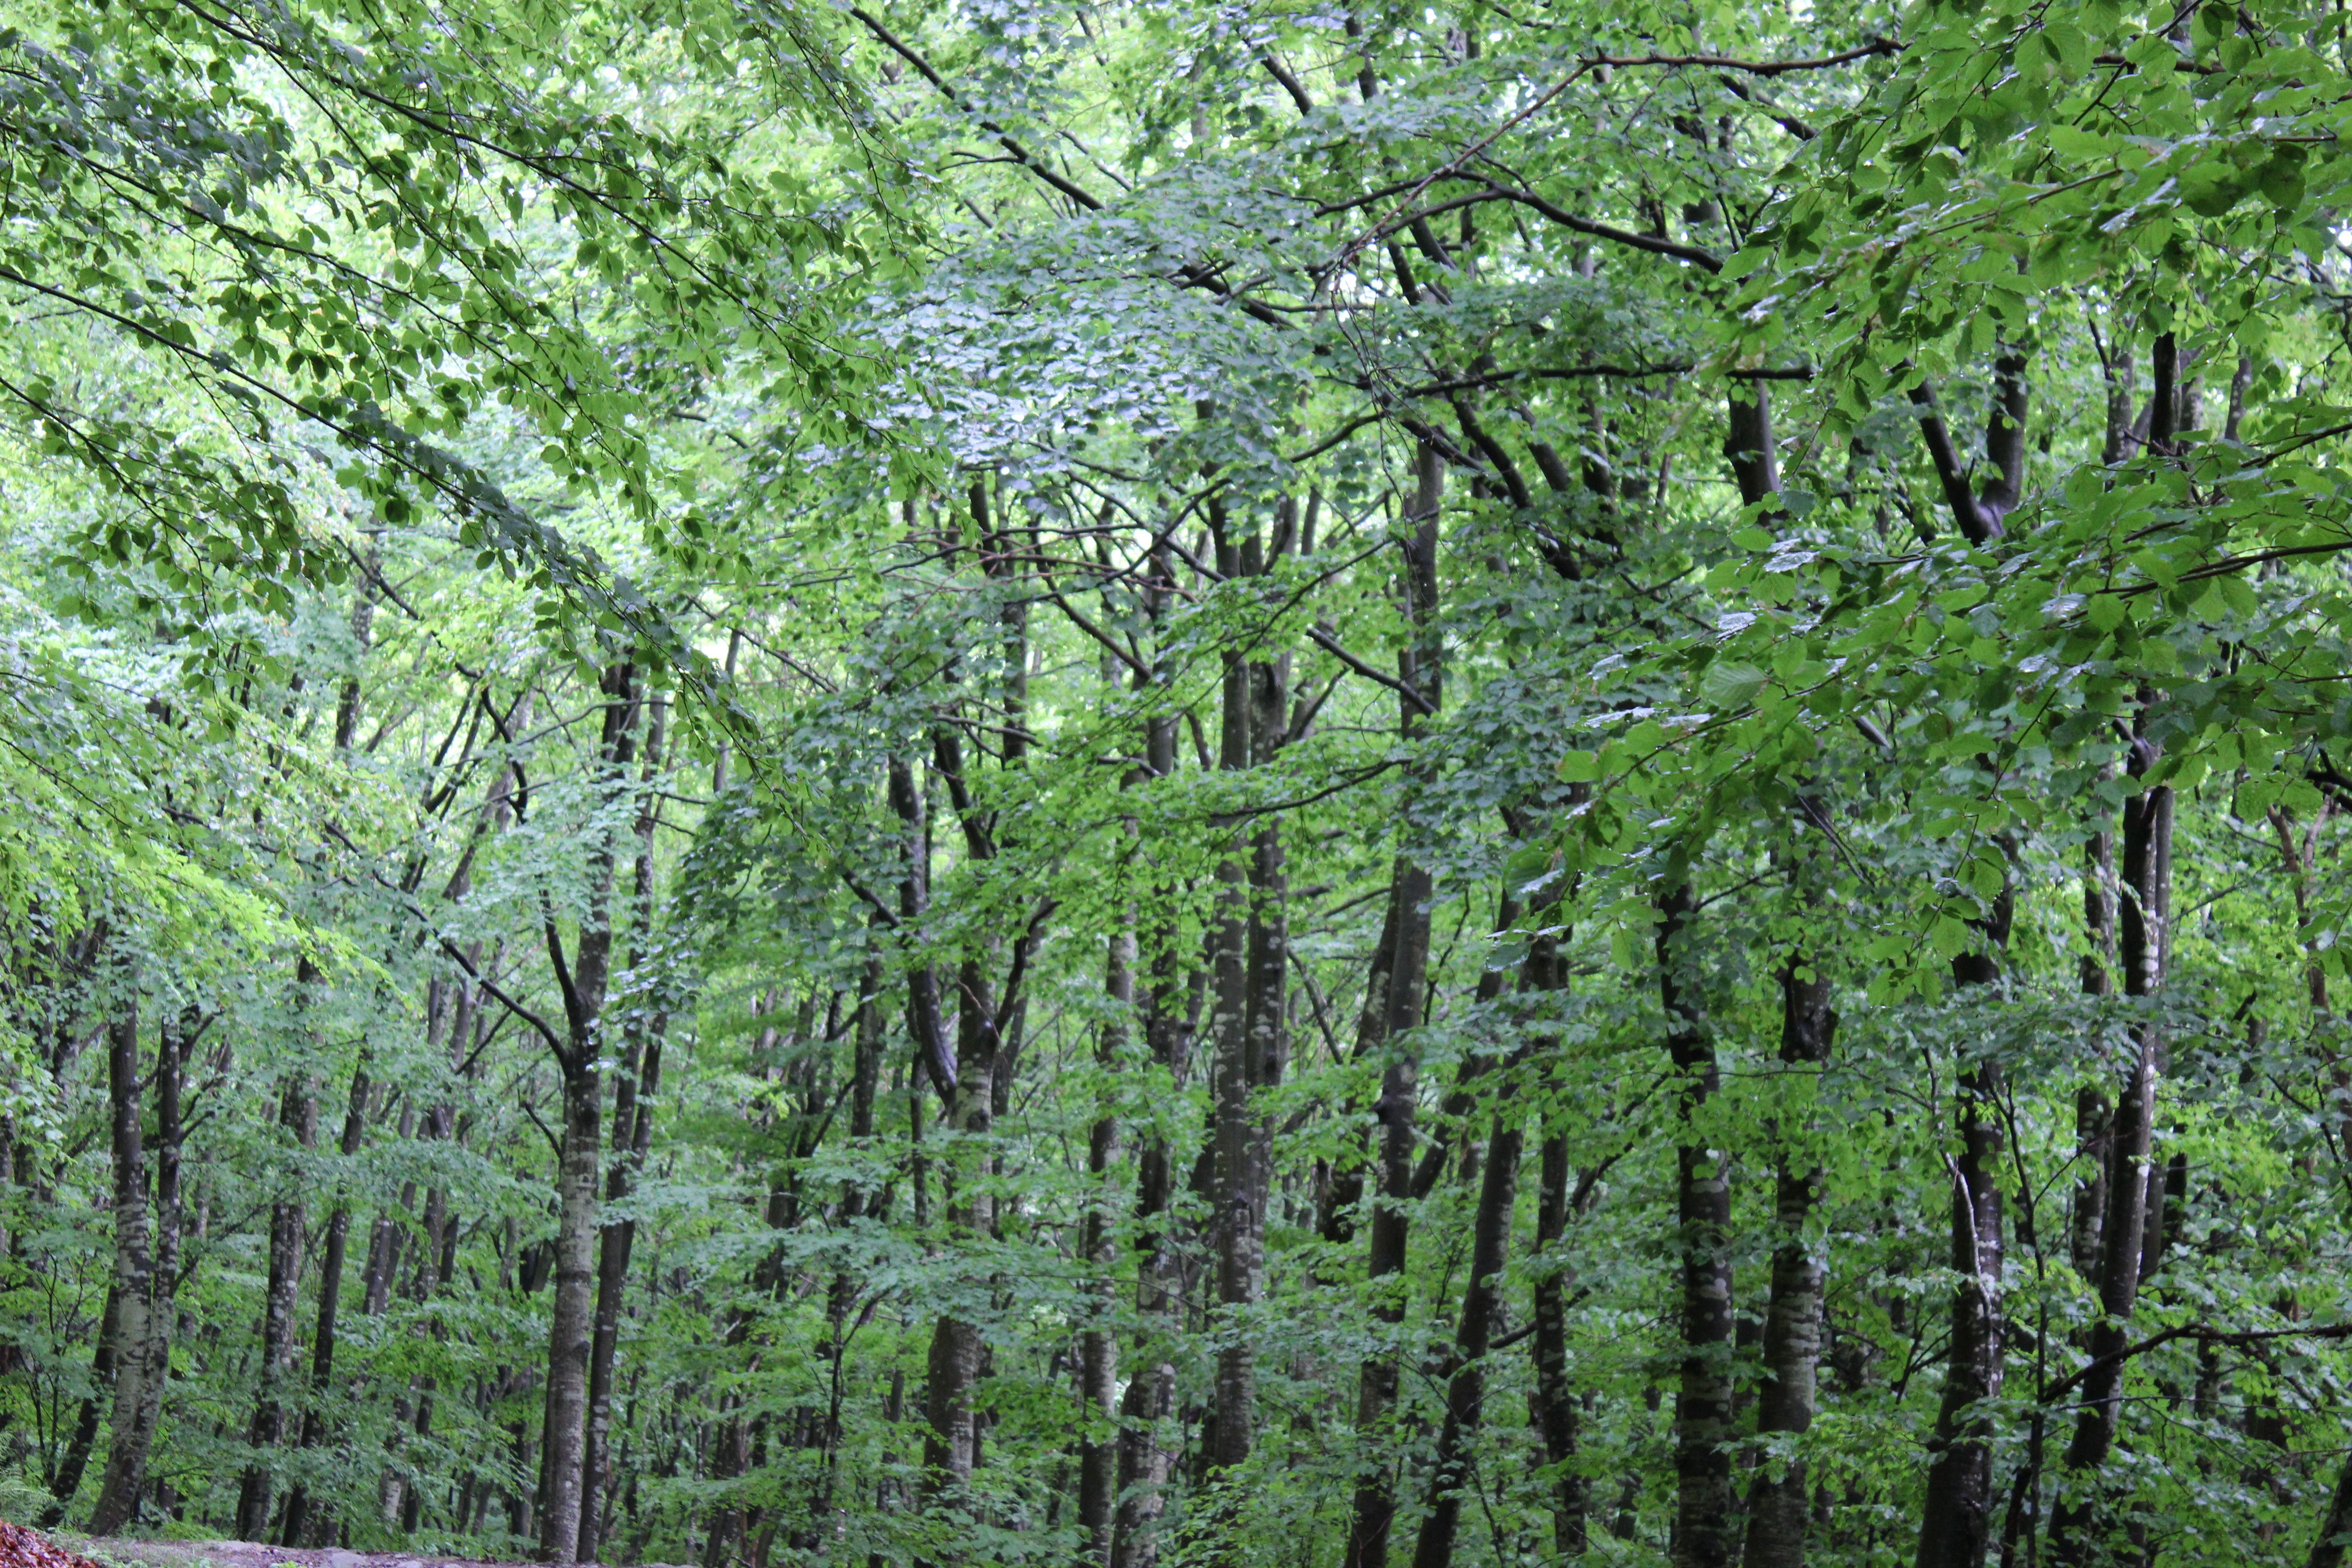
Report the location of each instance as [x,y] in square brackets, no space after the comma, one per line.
[1163,785]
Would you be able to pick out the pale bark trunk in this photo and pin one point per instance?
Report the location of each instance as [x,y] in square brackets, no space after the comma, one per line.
[563,1432]
[633,1115]
[145,1259]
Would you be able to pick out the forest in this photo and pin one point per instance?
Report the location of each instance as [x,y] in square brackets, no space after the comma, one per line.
[1174,783]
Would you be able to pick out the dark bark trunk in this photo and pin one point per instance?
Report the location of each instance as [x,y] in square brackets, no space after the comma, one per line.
[298,1113]
[1465,1395]
[298,1506]
[76,1459]
[1955,1524]
[951,1449]
[1703,1536]
[1143,1462]
[2335,1525]
[1558,1411]
[1779,1504]
[2134,1182]
[1421,670]
[1099,1343]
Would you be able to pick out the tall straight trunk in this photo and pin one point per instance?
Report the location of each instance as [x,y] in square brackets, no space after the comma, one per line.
[146,1258]
[2134,1193]
[563,1428]
[1779,1503]
[564,1425]
[1421,670]
[330,1293]
[1558,1411]
[1956,1523]
[633,1117]
[298,1113]
[633,1120]
[864,1076]
[1704,1499]
[950,1448]
[339,1222]
[1466,1397]
[1143,1461]
[1252,974]
[1099,1343]
[1227,1441]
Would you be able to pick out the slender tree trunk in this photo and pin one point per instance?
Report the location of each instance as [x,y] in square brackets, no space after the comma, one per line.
[1558,1412]
[1099,1343]
[330,1293]
[1465,1395]
[633,1119]
[68,1480]
[298,1113]
[951,1449]
[1779,1503]
[569,1333]
[1143,1462]
[1421,670]
[145,1246]
[1252,974]
[1955,1524]
[563,1432]
[2134,1191]
[1703,1499]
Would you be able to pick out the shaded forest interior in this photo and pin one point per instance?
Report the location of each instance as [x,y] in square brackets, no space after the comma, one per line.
[1178,786]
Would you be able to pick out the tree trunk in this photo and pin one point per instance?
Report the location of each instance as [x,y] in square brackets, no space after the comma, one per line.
[1779,1503]
[951,1449]
[2336,1526]
[330,1293]
[633,1120]
[146,1247]
[1466,1397]
[1557,1410]
[1143,1463]
[1956,1523]
[563,1432]
[68,1480]
[298,1112]
[564,1427]
[1099,1343]
[2133,1192]
[1703,1508]
[1421,670]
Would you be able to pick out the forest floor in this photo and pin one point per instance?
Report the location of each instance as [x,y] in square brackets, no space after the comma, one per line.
[119,1551]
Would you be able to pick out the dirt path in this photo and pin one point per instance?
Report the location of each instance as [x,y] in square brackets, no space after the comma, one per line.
[129,1554]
